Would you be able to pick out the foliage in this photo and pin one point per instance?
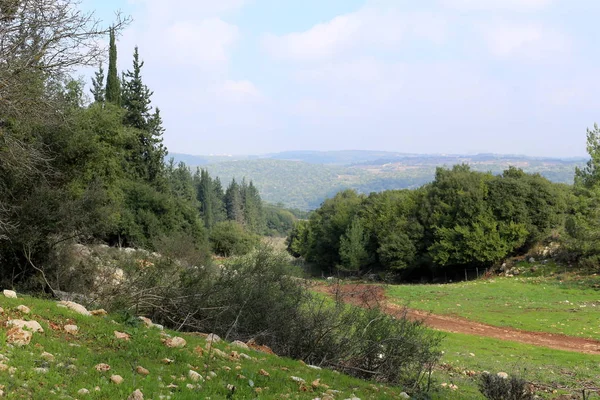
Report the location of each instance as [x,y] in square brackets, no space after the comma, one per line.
[229,238]
[494,387]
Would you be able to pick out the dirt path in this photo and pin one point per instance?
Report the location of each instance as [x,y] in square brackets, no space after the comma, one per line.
[369,295]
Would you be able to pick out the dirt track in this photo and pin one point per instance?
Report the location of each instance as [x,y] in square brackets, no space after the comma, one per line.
[369,295]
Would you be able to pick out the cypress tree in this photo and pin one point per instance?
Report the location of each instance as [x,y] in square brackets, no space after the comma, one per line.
[97,89]
[233,203]
[113,86]
[136,95]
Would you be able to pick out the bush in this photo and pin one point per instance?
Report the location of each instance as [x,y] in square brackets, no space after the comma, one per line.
[229,238]
[495,387]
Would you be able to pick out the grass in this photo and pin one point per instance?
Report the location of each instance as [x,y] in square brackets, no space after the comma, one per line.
[76,355]
[563,371]
[564,303]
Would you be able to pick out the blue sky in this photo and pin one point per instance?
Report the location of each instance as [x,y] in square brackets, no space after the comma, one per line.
[433,76]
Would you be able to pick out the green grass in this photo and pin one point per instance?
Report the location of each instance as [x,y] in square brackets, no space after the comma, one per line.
[76,356]
[564,303]
[563,371]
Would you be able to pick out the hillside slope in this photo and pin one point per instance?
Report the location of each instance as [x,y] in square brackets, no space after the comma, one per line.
[70,362]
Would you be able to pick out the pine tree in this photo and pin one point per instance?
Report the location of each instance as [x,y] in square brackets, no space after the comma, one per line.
[253,210]
[233,203]
[97,89]
[113,86]
[136,96]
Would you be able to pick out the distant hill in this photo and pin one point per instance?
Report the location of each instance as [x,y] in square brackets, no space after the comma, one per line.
[303,179]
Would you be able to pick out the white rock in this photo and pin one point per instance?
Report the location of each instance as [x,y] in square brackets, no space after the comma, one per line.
[33,326]
[47,356]
[404,395]
[213,338]
[195,376]
[23,309]
[137,395]
[78,308]
[240,344]
[175,342]
[11,294]
[116,379]
[502,375]
[41,370]
[72,329]
[83,392]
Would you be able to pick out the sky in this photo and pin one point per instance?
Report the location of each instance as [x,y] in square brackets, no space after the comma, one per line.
[427,76]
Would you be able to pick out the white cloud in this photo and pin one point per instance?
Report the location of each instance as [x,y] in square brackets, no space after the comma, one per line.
[239,91]
[368,29]
[498,5]
[529,41]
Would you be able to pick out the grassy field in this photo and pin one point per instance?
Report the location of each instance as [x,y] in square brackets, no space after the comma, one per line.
[76,355]
[563,303]
[555,372]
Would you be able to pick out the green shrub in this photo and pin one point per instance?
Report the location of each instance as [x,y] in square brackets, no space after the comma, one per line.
[229,238]
[495,387]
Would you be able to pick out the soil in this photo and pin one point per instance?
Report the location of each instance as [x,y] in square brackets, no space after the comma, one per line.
[374,295]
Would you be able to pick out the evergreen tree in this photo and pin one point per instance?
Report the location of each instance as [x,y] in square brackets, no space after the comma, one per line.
[153,149]
[253,209]
[353,253]
[233,203]
[97,89]
[113,86]
[136,96]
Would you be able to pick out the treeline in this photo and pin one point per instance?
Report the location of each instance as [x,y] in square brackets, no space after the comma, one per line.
[461,219]
[75,169]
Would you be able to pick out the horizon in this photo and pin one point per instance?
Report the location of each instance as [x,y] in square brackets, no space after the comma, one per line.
[440,76]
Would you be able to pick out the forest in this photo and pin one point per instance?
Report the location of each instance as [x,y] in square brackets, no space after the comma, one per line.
[463,219]
[92,168]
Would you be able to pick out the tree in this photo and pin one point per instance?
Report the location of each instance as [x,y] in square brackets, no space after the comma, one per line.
[113,85]
[234,203]
[353,253]
[136,96]
[253,209]
[589,176]
[98,88]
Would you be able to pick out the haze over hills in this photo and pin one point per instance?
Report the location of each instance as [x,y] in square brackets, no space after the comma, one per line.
[303,179]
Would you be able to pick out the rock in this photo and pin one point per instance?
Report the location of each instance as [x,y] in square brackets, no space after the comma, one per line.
[404,395]
[40,370]
[82,392]
[314,367]
[137,395]
[98,313]
[531,259]
[146,321]
[47,356]
[141,370]
[23,309]
[158,326]
[102,367]
[18,337]
[195,376]
[72,329]
[167,361]
[122,335]
[78,308]
[3,367]
[116,379]
[213,338]
[33,326]
[297,379]
[264,373]
[240,344]
[502,375]
[175,342]
[219,353]
[11,294]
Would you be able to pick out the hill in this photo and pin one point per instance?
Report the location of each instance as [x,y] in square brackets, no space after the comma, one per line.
[80,356]
[303,179]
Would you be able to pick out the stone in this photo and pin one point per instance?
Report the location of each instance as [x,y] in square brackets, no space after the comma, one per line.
[146,321]
[167,361]
[33,326]
[213,338]
[23,309]
[404,395]
[83,391]
[502,375]
[11,294]
[531,259]
[195,376]
[40,370]
[116,379]
[141,370]
[78,308]
[122,335]
[47,356]
[158,326]
[72,329]
[18,337]
[240,344]
[297,379]
[102,367]
[175,342]
[137,395]
[98,313]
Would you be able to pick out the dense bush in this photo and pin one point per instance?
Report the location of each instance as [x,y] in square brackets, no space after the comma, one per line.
[229,238]
[495,387]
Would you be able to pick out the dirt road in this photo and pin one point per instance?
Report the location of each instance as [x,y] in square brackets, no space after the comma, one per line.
[369,295]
